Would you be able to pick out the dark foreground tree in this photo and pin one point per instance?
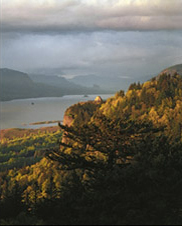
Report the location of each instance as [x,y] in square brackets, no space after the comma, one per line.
[102,144]
[133,173]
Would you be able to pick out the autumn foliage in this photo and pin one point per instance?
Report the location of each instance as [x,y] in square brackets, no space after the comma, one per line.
[120,166]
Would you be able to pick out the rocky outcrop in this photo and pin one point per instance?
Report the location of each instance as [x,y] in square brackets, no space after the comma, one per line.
[81,112]
[67,120]
[98,99]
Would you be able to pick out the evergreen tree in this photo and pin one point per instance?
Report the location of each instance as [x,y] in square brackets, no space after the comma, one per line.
[103,143]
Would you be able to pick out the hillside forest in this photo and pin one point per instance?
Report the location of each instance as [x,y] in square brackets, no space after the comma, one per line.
[117,162]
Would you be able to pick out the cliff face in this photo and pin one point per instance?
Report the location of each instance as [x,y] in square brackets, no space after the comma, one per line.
[67,120]
[81,113]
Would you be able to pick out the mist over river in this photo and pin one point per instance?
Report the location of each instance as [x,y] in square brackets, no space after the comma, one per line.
[19,113]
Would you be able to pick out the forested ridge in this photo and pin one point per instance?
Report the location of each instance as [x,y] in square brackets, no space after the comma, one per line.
[158,100]
[121,163]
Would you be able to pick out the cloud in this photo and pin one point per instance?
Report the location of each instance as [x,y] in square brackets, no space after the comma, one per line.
[65,16]
[103,53]
[106,37]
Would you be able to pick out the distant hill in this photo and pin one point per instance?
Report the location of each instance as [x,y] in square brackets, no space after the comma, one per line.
[66,86]
[111,83]
[18,85]
[173,69]
[52,80]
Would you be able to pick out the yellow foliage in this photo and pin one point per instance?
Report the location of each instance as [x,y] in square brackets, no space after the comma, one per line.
[117,101]
[164,120]
[138,92]
[129,93]
[153,115]
[147,84]
[151,90]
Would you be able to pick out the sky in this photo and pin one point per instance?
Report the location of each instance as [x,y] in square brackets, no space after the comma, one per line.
[125,38]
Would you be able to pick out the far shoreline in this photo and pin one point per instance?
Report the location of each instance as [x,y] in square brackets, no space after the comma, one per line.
[50,97]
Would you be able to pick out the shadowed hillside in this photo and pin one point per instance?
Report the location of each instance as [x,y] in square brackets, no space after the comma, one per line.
[67,87]
[18,85]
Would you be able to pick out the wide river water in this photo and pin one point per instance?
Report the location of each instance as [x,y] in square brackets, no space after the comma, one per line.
[19,113]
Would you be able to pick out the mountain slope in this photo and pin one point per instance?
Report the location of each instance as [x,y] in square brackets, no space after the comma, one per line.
[18,85]
[176,69]
[112,83]
[66,86]
[52,80]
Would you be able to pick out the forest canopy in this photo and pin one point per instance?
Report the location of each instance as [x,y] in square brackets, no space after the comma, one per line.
[118,163]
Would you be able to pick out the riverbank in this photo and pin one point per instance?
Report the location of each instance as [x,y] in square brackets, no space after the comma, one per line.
[19,133]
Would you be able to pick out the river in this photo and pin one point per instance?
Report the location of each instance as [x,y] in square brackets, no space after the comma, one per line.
[19,113]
